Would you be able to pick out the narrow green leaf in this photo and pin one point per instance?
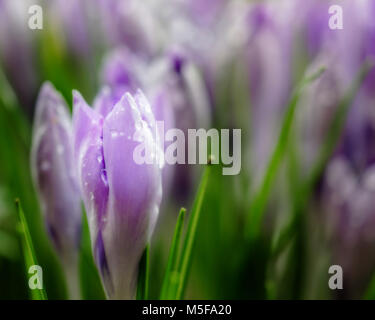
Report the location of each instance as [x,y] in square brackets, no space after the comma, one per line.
[91,286]
[174,254]
[143,275]
[187,249]
[261,196]
[29,252]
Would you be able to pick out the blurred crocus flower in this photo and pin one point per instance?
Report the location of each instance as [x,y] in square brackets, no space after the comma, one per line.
[16,50]
[317,107]
[55,177]
[349,201]
[310,24]
[204,12]
[74,19]
[209,33]
[122,71]
[268,61]
[132,24]
[348,181]
[342,61]
[180,99]
[121,197]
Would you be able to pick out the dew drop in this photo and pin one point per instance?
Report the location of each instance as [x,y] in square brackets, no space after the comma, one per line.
[104,177]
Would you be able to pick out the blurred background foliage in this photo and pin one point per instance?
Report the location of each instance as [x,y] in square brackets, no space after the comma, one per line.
[247,67]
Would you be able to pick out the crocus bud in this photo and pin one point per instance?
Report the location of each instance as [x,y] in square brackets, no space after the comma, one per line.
[54,175]
[121,197]
[121,72]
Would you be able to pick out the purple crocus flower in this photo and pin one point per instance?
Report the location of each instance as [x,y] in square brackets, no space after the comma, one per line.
[54,176]
[310,24]
[175,92]
[205,12]
[132,24]
[343,61]
[209,33]
[348,181]
[122,72]
[121,197]
[16,51]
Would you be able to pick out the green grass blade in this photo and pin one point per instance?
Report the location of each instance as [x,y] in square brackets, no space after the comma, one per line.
[261,196]
[91,286]
[29,253]
[174,254]
[143,275]
[187,249]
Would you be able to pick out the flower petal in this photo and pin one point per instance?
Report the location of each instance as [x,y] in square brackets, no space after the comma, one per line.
[134,194]
[88,142]
[54,172]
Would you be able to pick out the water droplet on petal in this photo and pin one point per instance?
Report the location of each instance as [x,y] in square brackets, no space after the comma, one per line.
[104,177]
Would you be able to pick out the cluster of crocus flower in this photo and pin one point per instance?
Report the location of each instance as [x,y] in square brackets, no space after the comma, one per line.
[121,197]
[161,53]
[347,184]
